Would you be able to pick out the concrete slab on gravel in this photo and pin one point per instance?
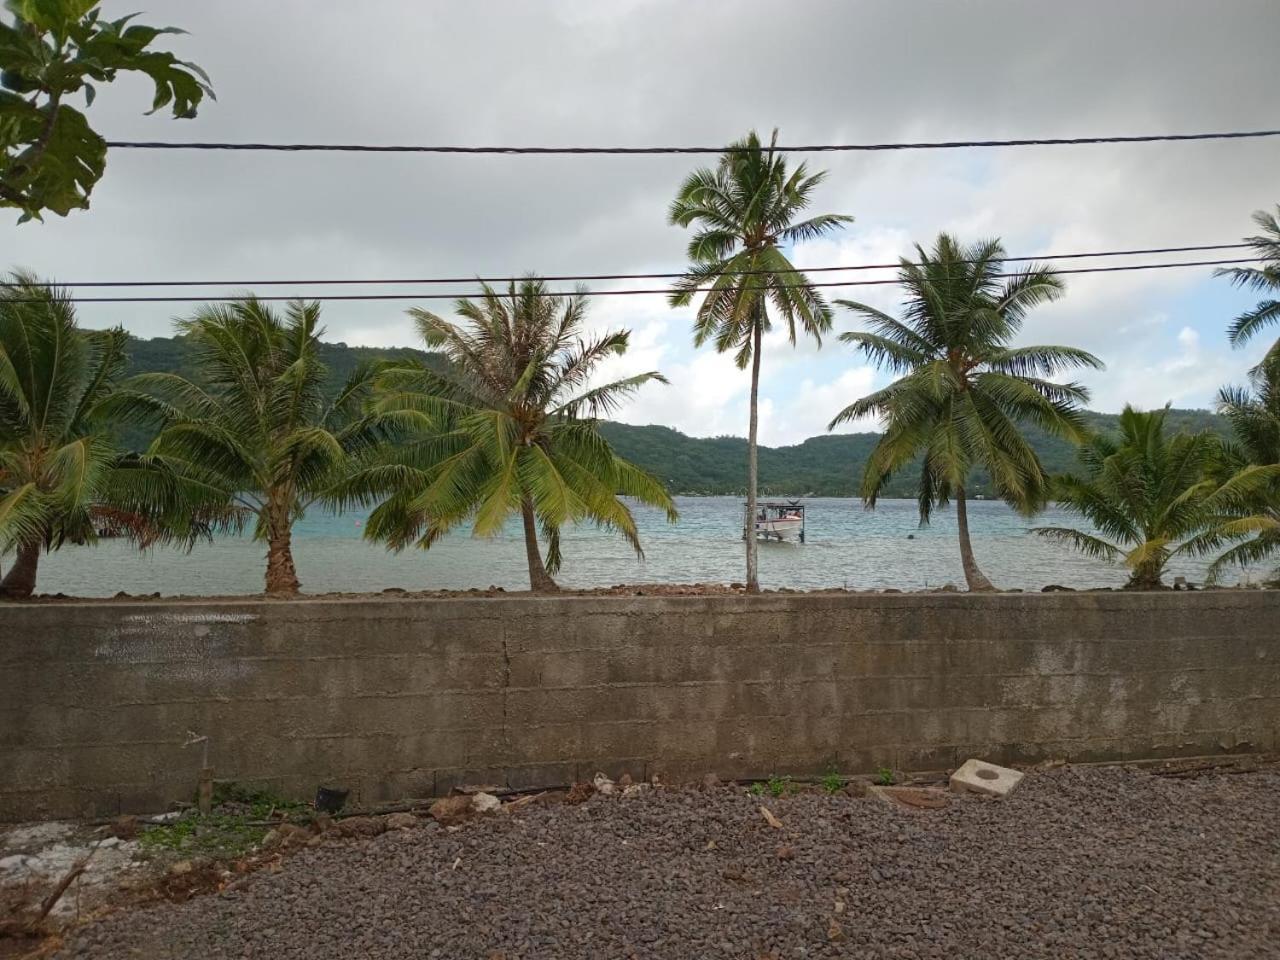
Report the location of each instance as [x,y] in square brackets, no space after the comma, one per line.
[978,776]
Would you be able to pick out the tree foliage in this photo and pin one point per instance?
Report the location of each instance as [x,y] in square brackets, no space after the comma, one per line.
[1264,279]
[62,477]
[1254,414]
[1151,497]
[966,392]
[510,428]
[50,157]
[745,210]
[257,432]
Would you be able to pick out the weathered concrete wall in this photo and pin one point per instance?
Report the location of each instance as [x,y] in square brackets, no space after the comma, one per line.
[403,698]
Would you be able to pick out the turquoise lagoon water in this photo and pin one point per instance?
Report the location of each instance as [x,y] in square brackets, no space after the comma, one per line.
[847,547]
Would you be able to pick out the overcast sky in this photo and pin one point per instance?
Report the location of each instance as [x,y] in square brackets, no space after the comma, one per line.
[642,72]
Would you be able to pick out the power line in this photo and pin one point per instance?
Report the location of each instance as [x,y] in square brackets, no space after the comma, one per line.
[563,151]
[614,276]
[600,293]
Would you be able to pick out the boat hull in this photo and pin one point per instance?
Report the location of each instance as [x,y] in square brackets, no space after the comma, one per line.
[785,529]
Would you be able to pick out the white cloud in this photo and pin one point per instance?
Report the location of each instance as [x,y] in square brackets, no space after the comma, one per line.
[869,245]
[707,397]
[1161,368]
[808,411]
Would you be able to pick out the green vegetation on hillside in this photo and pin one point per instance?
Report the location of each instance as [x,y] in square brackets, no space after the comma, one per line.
[175,355]
[829,466]
[825,466]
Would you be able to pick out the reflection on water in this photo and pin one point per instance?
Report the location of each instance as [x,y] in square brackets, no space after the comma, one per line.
[847,547]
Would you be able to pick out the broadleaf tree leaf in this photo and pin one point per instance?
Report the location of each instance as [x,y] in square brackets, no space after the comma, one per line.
[53,51]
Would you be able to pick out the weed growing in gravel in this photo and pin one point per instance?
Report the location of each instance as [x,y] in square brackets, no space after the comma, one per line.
[219,835]
[257,804]
[232,830]
[885,777]
[756,790]
[779,786]
[832,782]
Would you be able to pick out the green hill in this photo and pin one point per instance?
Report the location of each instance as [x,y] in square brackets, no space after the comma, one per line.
[173,355]
[822,466]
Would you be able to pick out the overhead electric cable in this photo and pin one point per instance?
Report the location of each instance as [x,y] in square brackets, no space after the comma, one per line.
[455,295]
[614,276]
[562,151]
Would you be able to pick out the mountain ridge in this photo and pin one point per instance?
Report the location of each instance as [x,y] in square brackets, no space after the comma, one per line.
[824,465]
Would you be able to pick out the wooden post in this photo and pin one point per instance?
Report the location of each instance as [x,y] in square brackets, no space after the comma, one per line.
[205,796]
[204,792]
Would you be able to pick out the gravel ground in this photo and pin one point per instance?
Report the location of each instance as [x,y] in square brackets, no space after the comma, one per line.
[1078,863]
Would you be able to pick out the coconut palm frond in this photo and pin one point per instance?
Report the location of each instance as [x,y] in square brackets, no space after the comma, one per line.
[1261,279]
[61,395]
[260,433]
[1086,543]
[505,435]
[964,394]
[744,210]
[24,517]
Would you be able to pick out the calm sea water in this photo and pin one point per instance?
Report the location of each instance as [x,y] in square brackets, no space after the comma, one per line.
[847,547]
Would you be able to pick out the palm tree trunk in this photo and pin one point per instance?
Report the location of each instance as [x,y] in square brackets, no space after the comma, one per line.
[972,575]
[539,580]
[1146,578]
[282,575]
[753,575]
[20,582]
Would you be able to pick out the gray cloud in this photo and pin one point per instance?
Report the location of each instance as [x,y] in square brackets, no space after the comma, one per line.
[666,72]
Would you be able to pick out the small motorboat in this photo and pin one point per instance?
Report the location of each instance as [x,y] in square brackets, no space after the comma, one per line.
[777,520]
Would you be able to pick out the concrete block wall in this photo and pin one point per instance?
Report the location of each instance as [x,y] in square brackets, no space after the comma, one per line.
[405,698]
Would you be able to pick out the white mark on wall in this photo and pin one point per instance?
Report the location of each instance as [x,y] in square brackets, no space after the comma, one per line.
[149,618]
[193,647]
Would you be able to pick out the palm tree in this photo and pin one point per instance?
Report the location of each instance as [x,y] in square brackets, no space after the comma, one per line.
[1254,415]
[515,431]
[744,209]
[1151,497]
[1264,279]
[965,393]
[257,432]
[62,478]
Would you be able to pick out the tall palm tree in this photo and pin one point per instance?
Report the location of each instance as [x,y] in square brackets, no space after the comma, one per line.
[1151,497]
[62,478]
[1254,415]
[515,431]
[745,210]
[1264,279]
[965,393]
[257,431]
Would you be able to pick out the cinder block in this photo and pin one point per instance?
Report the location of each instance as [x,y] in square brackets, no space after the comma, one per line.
[977,776]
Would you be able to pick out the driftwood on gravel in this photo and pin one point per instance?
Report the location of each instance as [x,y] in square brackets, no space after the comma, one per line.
[34,926]
[1206,769]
